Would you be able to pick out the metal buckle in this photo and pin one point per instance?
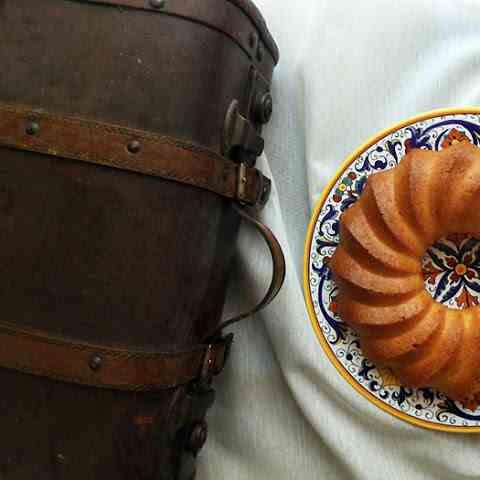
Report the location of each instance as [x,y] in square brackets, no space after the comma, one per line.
[242,183]
[263,186]
[215,359]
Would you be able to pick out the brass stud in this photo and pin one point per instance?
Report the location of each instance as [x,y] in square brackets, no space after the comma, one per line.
[157,3]
[134,146]
[263,108]
[32,128]
[96,362]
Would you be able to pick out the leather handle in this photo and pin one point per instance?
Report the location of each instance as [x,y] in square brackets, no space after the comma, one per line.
[278,274]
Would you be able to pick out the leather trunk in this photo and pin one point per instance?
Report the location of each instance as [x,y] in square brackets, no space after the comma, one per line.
[111,257]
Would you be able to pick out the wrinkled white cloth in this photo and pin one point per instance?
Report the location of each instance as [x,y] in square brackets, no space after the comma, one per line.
[348,69]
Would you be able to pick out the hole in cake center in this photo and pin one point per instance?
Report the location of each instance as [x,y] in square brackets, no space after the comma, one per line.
[451,271]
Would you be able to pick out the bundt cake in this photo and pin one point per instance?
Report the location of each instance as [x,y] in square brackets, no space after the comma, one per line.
[378,269]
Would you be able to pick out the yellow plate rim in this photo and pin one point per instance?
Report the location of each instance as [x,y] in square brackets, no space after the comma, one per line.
[306,269]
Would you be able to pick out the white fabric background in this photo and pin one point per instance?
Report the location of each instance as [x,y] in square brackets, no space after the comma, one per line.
[348,69]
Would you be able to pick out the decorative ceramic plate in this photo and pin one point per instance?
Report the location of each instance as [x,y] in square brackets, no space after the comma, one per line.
[451,270]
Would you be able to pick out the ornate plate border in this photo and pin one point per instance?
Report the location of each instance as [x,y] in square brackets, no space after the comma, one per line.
[307,262]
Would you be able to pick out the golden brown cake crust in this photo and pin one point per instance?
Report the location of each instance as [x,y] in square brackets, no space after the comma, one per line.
[377,266]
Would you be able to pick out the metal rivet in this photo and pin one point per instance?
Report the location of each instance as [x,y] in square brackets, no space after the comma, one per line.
[253,40]
[32,128]
[134,146]
[60,458]
[198,437]
[264,108]
[95,362]
[260,52]
[157,3]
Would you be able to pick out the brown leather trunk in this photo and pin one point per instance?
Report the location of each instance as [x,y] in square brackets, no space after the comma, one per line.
[111,257]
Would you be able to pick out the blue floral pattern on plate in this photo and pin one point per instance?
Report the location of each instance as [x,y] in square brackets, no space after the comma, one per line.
[451,269]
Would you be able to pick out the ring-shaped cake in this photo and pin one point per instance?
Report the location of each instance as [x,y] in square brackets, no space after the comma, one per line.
[378,269]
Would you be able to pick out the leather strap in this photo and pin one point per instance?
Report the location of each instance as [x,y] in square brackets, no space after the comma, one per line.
[278,273]
[35,352]
[129,149]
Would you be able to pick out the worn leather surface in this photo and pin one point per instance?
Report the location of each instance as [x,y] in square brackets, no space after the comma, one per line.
[222,15]
[60,358]
[103,255]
